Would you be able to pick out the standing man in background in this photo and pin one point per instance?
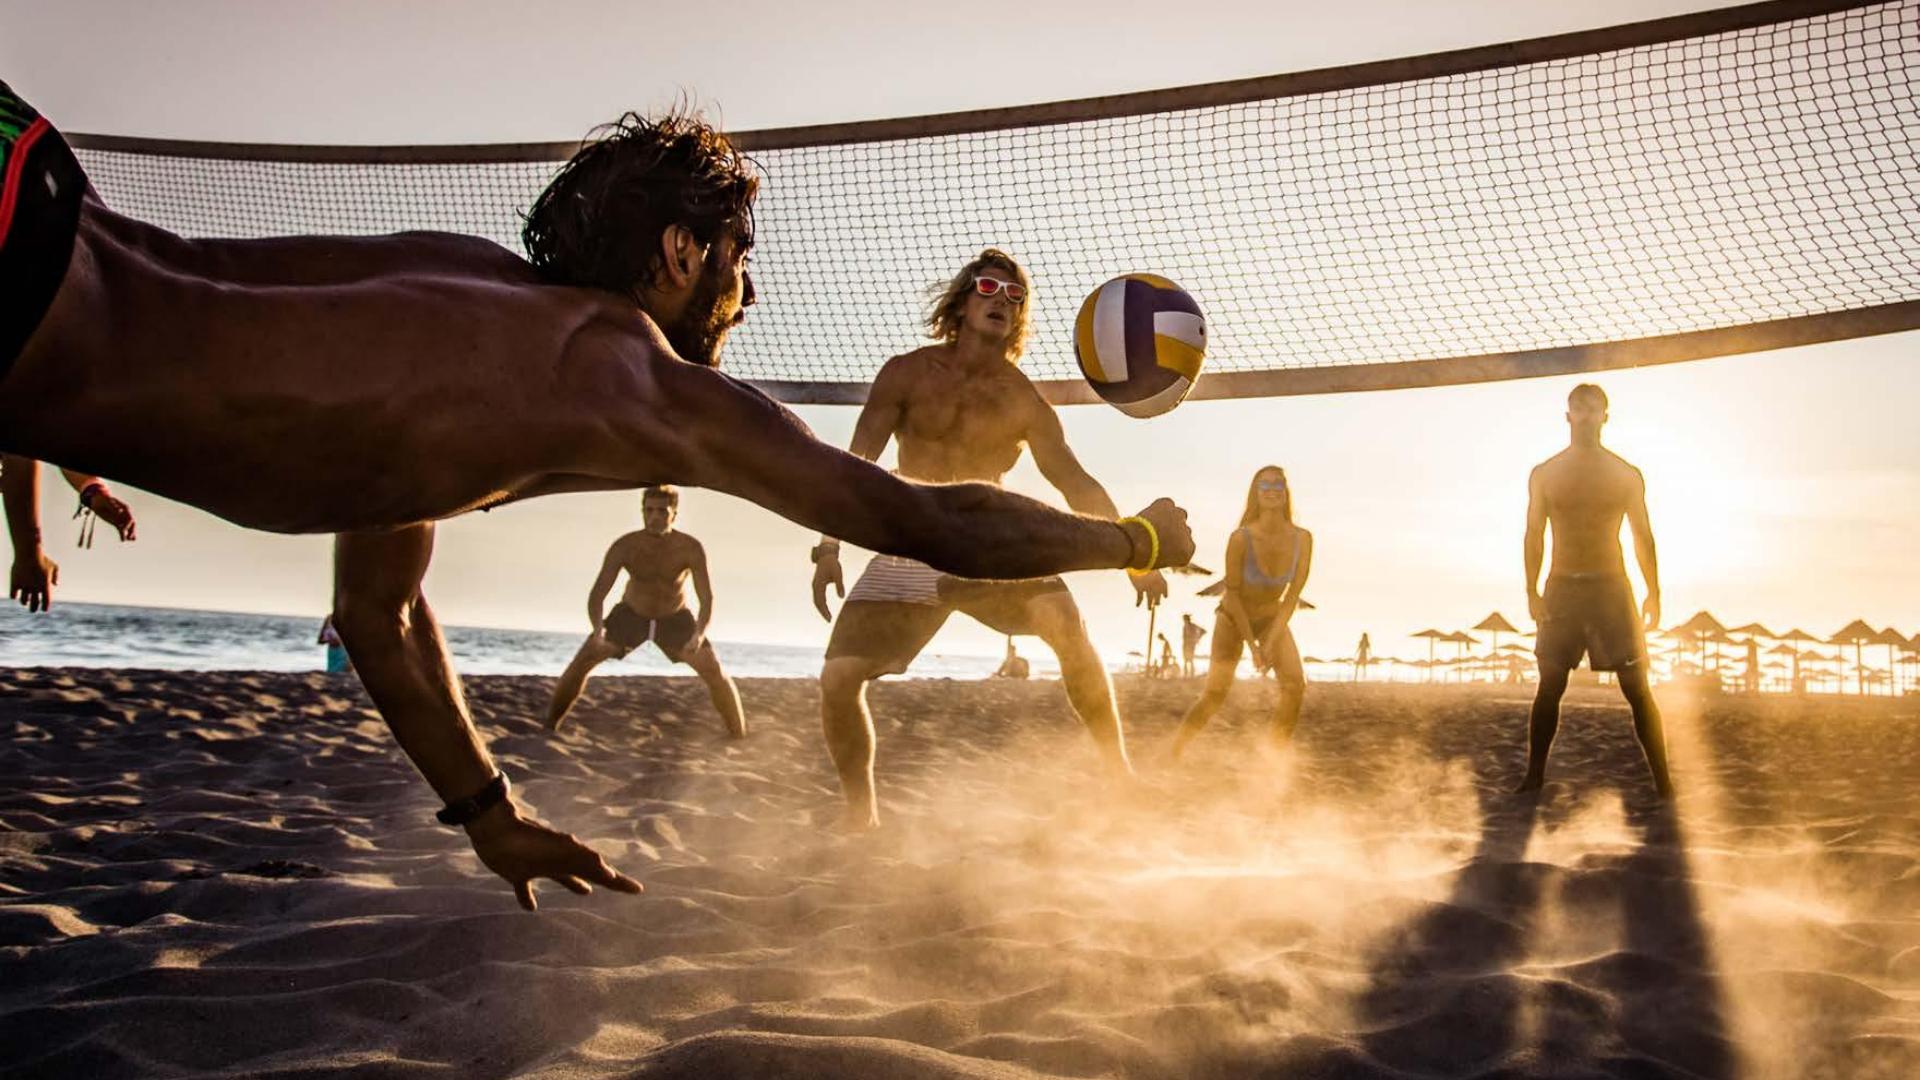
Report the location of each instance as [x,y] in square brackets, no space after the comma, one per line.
[659,561]
[1587,609]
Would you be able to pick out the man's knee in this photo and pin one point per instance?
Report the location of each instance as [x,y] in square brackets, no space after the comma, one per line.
[1635,687]
[1062,629]
[362,616]
[1212,698]
[843,677]
[704,663]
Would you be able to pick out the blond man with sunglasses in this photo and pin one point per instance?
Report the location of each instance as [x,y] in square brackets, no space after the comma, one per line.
[961,410]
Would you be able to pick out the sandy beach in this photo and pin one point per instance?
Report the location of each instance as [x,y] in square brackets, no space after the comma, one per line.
[235,874]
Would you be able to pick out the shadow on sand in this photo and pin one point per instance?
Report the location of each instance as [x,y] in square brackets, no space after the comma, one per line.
[1454,992]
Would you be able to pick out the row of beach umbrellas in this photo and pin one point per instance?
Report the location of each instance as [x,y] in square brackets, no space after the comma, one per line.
[1792,656]
[1705,635]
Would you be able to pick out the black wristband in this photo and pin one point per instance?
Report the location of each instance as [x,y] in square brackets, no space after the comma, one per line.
[465,810]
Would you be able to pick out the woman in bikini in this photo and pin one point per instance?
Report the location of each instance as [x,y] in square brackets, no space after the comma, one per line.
[1268,557]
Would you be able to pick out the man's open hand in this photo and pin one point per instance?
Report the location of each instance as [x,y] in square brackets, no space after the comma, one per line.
[32,581]
[115,513]
[523,850]
[1149,588]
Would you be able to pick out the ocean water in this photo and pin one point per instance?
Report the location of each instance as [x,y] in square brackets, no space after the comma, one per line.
[110,636]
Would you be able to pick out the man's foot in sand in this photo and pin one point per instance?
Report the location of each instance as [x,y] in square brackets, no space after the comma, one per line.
[1275,747]
[1177,747]
[1532,785]
[860,819]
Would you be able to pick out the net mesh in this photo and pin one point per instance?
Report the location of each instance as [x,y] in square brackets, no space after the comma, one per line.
[1715,181]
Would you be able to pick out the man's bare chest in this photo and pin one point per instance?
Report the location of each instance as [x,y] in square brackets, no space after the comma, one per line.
[657,563]
[964,416]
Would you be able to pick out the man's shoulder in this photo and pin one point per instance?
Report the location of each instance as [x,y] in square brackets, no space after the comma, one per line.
[1619,463]
[627,541]
[1553,462]
[910,363]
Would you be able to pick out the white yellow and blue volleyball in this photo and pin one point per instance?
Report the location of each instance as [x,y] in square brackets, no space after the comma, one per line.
[1140,340]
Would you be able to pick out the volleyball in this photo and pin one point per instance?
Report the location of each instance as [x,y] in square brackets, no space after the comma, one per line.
[1140,340]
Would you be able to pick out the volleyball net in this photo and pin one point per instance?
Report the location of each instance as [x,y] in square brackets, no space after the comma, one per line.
[1708,184]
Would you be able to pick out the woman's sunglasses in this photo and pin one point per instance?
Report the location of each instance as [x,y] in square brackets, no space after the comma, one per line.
[987,286]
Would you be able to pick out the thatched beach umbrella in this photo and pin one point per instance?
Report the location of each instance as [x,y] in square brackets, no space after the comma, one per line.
[1717,640]
[1496,624]
[1820,663]
[1856,634]
[1432,636]
[1798,637]
[1892,639]
[1695,631]
[1460,639]
[1791,653]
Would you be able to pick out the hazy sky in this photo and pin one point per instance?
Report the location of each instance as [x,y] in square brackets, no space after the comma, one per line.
[1783,487]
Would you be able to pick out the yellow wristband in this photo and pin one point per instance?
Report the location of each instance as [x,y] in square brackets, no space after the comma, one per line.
[1153,543]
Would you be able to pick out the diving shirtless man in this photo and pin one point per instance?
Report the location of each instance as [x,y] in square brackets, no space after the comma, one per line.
[448,375]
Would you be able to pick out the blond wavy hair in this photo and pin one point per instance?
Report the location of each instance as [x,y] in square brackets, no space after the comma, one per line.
[943,321]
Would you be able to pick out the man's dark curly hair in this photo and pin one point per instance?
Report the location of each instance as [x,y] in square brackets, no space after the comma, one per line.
[598,224]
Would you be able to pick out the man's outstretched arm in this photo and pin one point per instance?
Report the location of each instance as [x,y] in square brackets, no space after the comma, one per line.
[733,439]
[396,648]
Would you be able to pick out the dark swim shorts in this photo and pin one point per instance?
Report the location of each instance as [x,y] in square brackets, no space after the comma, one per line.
[629,629]
[1593,617]
[41,185]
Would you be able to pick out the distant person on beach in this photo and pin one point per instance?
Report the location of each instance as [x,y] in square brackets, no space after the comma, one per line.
[449,374]
[337,662]
[659,562]
[1587,608]
[1190,635]
[1014,666]
[962,411]
[1268,560]
[1166,669]
[34,574]
[1362,656]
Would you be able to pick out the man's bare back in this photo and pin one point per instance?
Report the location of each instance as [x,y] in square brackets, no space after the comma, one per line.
[248,345]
